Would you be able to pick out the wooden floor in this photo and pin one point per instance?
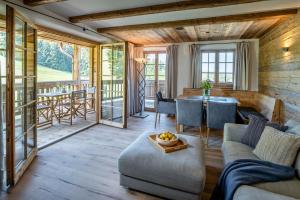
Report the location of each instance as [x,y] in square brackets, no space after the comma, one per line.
[84,166]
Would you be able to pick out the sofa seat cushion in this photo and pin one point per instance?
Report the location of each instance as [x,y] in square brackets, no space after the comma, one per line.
[182,170]
[249,193]
[288,188]
[235,150]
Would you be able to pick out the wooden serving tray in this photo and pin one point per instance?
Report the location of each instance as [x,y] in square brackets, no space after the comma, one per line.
[180,145]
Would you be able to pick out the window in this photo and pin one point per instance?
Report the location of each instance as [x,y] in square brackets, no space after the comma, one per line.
[217,66]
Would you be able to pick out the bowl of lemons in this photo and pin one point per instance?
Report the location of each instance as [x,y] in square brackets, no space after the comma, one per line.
[167,138]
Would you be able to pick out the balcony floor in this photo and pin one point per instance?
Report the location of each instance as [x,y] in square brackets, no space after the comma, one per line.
[48,134]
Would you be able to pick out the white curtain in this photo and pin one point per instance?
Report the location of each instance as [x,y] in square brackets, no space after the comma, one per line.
[195,56]
[172,68]
[242,73]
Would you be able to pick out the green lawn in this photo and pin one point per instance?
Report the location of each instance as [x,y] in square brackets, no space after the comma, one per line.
[45,74]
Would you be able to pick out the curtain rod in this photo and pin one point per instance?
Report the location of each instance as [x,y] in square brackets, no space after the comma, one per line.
[56,18]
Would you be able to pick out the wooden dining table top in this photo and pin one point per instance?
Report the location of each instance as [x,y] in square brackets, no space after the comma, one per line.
[211,98]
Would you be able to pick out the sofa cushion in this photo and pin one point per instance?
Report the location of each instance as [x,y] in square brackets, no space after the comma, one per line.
[235,150]
[182,170]
[277,147]
[288,188]
[249,193]
[255,128]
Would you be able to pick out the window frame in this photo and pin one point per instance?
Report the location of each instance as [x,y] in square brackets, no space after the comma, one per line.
[217,62]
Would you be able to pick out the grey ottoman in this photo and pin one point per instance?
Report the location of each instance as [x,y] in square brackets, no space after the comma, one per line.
[178,175]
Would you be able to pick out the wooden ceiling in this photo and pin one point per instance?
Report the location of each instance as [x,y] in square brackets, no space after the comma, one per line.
[209,32]
[239,26]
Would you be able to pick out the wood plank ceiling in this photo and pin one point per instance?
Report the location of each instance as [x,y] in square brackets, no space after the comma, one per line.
[209,32]
[239,26]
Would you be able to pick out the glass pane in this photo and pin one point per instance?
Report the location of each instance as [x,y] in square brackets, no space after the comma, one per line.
[211,67]
[229,78]
[162,58]
[30,112]
[150,70]
[222,57]
[204,67]
[30,140]
[204,76]
[161,72]
[19,122]
[106,53]
[229,57]
[19,63]
[19,151]
[30,63]
[229,67]
[19,32]
[222,77]
[212,57]
[150,58]
[30,89]
[204,57]
[19,92]
[222,67]
[84,63]
[107,68]
[211,76]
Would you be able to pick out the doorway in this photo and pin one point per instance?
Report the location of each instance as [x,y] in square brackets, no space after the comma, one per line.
[155,77]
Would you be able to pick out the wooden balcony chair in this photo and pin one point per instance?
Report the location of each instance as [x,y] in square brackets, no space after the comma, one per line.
[73,106]
[90,99]
[44,114]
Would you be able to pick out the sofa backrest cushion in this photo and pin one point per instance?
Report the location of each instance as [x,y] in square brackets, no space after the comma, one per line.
[294,127]
[277,147]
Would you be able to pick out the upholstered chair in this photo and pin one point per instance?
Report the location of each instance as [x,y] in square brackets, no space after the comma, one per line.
[189,113]
[165,106]
[219,113]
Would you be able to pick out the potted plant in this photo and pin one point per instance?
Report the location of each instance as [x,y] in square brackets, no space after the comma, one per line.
[206,86]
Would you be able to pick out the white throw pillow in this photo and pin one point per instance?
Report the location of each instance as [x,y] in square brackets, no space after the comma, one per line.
[277,147]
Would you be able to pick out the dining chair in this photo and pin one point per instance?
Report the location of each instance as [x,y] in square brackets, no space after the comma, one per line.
[219,113]
[165,106]
[189,112]
[90,99]
[74,106]
[44,113]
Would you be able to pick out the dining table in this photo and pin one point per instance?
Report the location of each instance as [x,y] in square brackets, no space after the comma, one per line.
[205,99]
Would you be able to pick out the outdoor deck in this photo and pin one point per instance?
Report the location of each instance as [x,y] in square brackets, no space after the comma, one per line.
[48,134]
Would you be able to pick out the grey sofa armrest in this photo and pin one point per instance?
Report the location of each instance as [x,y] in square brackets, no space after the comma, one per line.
[234,132]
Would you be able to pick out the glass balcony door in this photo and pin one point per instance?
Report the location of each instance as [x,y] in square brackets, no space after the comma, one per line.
[21,93]
[155,76]
[112,84]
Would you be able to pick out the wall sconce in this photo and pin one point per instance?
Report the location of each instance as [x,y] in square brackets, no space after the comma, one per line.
[285,49]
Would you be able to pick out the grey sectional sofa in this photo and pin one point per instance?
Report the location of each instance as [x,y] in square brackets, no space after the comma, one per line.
[233,149]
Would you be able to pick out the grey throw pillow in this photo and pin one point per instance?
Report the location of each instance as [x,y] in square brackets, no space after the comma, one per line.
[256,127]
[254,130]
[277,147]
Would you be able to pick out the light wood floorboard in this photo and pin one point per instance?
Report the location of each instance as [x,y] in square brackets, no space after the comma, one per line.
[84,166]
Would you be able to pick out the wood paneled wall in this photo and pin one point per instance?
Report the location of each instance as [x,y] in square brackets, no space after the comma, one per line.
[279,71]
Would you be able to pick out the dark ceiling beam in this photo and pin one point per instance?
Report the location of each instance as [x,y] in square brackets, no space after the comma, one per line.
[146,10]
[40,2]
[203,21]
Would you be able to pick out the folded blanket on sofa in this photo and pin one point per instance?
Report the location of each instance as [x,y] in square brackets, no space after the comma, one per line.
[248,172]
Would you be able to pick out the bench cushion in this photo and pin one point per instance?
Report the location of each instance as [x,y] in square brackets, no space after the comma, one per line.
[246,111]
[183,170]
